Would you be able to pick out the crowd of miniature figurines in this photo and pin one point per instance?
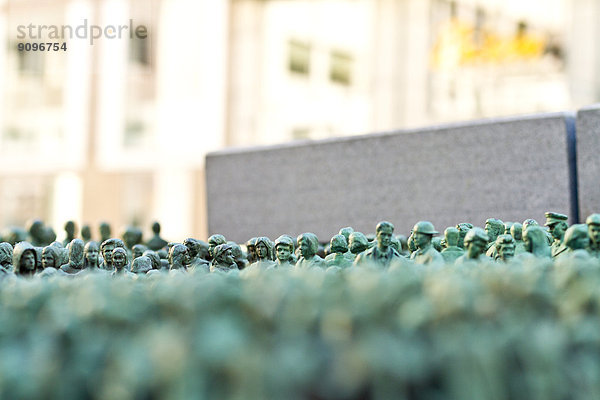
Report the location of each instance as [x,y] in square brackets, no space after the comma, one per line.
[34,252]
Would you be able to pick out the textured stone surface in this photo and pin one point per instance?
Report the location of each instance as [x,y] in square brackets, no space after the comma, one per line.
[588,160]
[511,169]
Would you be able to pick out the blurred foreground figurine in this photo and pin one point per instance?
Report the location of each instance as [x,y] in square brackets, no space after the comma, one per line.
[223,260]
[308,245]
[156,242]
[284,251]
[475,241]
[339,249]
[423,233]
[593,225]
[24,259]
[505,248]
[452,251]
[383,254]
[557,224]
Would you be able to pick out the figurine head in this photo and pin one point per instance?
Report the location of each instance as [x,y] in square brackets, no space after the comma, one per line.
[475,242]
[119,258]
[493,228]
[178,256]
[576,237]
[516,231]
[223,255]
[557,224]
[529,222]
[138,250]
[91,252]
[214,241]
[6,255]
[534,237]
[507,226]
[156,228]
[37,230]
[76,252]
[463,228]
[154,258]
[308,244]
[338,244]
[141,265]
[24,259]
[593,224]
[423,232]
[193,246]
[50,257]
[384,232]
[70,229]
[451,235]
[284,247]
[263,248]
[86,233]
[358,242]
[505,247]
[104,230]
[346,232]
[107,248]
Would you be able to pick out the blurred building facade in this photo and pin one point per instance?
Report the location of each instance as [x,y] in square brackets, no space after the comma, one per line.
[118,130]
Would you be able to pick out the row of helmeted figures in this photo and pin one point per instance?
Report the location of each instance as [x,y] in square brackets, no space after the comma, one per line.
[460,244]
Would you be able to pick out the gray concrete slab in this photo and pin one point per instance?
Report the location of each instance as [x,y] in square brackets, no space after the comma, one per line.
[509,168]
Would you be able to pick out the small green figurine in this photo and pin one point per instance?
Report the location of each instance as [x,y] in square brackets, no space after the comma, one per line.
[75,263]
[156,242]
[463,228]
[593,224]
[178,257]
[50,258]
[91,253]
[505,248]
[557,224]
[223,260]
[452,251]
[284,251]
[250,250]
[493,228]
[214,241]
[105,231]
[536,241]
[107,247]
[194,248]
[6,257]
[383,254]
[70,232]
[263,248]
[476,240]
[86,233]
[339,248]
[516,231]
[357,243]
[141,265]
[423,233]
[24,259]
[119,261]
[308,243]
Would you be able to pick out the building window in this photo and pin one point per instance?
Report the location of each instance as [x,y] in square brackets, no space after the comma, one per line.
[299,57]
[340,68]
